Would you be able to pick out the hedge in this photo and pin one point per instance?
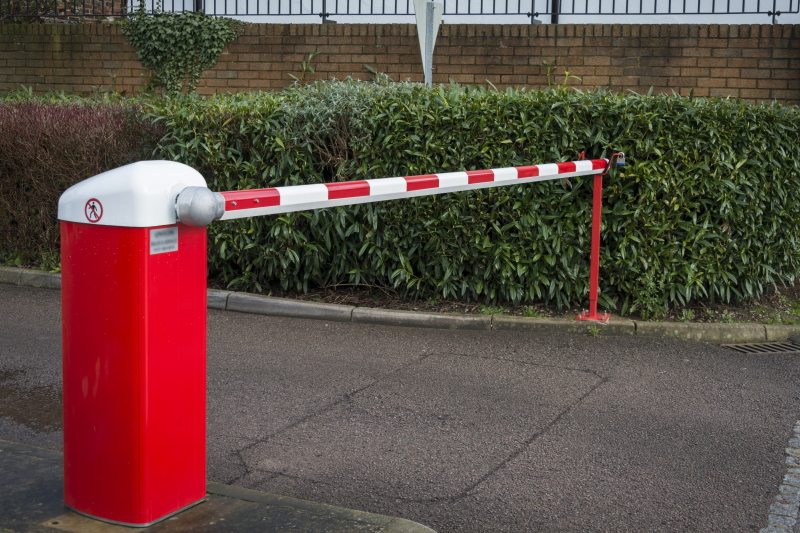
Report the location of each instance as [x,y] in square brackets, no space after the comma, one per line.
[707,208]
[45,147]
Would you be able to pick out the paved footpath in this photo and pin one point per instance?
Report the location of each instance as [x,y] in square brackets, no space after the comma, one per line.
[468,431]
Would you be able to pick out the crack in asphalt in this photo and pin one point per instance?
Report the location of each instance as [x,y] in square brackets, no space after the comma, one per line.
[344,398]
[526,443]
[348,397]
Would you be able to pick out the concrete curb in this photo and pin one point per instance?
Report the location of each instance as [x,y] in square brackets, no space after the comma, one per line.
[781,333]
[216,299]
[387,524]
[704,332]
[267,305]
[11,275]
[392,317]
[44,280]
[34,451]
[559,325]
[30,278]
[271,306]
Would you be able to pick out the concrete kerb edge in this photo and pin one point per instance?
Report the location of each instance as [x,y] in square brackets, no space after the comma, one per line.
[716,333]
[560,325]
[782,333]
[10,275]
[216,299]
[386,523]
[44,280]
[268,305]
[393,317]
[271,306]
[7,446]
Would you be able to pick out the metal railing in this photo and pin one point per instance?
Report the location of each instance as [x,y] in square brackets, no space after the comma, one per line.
[355,8]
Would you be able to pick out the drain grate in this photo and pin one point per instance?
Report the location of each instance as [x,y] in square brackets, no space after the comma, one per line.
[764,347]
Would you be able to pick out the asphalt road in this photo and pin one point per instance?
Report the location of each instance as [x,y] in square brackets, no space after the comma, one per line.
[464,431]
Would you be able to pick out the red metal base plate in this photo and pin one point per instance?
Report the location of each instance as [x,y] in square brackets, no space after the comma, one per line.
[602,317]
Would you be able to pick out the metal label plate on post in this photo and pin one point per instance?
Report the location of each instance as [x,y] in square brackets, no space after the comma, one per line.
[163,240]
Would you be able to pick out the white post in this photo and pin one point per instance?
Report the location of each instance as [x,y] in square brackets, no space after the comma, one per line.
[429,39]
[429,17]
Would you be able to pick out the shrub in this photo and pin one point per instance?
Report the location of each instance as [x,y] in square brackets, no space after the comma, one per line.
[178,47]
[44,149]
[707,208]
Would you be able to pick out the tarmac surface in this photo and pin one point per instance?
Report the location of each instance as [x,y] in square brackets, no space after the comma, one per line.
[33,496]
[467,430]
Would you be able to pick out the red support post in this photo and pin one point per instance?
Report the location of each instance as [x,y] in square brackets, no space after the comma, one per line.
[594,267]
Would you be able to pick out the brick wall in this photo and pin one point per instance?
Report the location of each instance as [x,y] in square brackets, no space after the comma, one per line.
[754,62]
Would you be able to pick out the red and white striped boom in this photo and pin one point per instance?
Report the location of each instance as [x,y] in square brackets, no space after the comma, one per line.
[255,202]
[276,200]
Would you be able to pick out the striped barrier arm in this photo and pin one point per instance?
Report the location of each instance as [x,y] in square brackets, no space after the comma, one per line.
[255,202]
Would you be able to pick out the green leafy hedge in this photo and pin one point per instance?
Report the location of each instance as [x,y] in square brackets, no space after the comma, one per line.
[707,207]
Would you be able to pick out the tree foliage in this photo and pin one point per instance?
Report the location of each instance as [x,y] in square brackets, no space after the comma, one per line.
[178,47]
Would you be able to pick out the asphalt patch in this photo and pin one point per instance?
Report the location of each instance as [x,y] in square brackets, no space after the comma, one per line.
[37,407]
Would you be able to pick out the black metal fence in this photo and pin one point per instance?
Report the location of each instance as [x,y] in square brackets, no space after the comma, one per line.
[325,9]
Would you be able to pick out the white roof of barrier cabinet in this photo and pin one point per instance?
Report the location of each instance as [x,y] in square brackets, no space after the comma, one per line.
[138,195]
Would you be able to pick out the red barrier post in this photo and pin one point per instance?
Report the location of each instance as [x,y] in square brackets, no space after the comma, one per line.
[134,345]
[594,266]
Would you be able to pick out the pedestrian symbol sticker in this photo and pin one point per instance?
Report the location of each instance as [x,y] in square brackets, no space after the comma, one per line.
[93,210]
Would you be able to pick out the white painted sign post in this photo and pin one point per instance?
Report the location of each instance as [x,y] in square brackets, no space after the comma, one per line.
[429,17]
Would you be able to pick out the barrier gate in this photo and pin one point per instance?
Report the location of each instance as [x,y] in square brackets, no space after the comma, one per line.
[133,256]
